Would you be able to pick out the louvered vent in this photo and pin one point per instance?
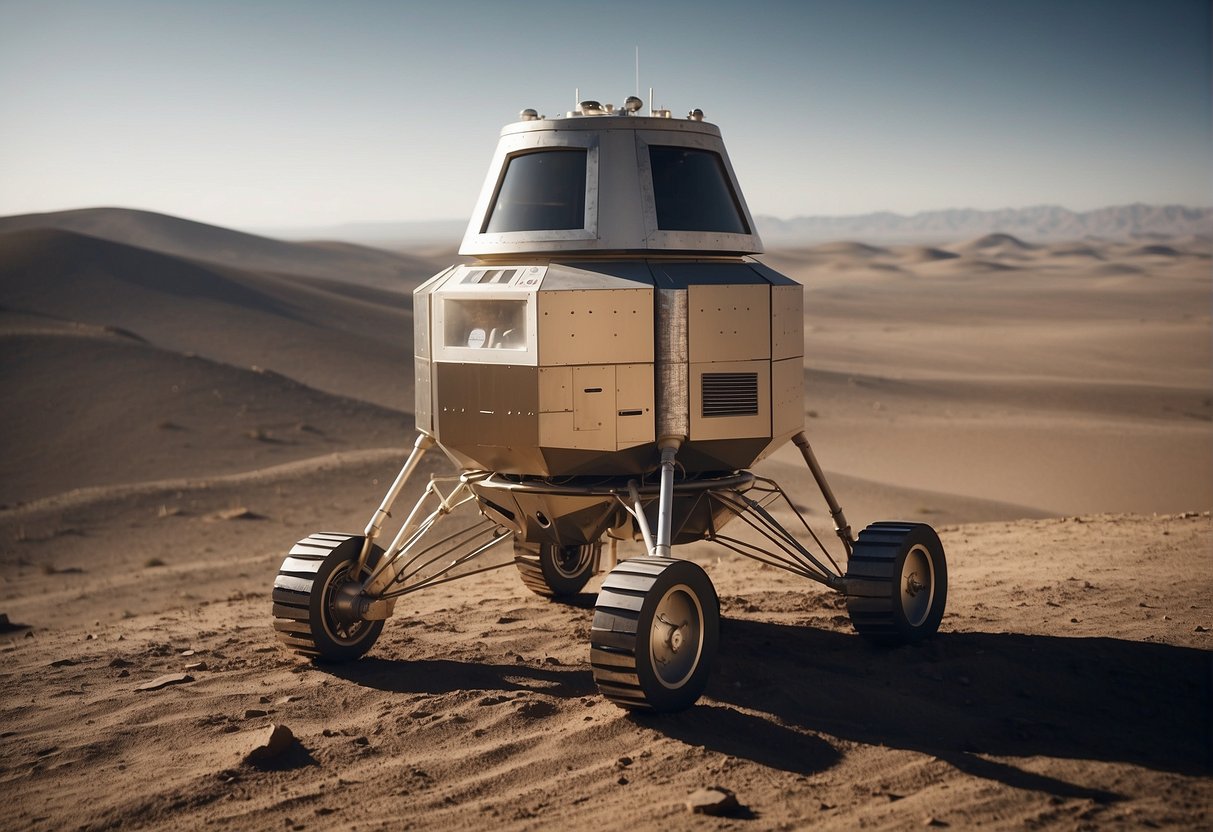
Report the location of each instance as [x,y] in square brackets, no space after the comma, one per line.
[730,394]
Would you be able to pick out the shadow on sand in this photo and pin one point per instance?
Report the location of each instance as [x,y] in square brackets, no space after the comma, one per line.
[955,697]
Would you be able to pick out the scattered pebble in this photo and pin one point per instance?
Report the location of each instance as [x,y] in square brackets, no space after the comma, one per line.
[64,663]
[275,740]
[714,800]
[255,713]
[165,681]
[118,661]
[624,762]
[1200,628]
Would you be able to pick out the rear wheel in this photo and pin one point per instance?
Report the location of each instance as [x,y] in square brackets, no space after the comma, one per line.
[555,571]
[897,583]
[655,633]
[315,597]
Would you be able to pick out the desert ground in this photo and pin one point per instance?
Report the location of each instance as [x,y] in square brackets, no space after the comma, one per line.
[182,403]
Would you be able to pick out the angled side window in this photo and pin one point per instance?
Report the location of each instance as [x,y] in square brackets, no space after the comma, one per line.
[692,191]
[540,191]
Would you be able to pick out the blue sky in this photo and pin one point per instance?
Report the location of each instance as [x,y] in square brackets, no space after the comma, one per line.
[276,113]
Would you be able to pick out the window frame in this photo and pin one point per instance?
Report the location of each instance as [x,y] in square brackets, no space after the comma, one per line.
[568,141]
[690,241]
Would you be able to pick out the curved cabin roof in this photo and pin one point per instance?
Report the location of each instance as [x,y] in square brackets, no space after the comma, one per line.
[610,183]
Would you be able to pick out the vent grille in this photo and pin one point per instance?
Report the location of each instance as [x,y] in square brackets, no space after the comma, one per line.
[730,394]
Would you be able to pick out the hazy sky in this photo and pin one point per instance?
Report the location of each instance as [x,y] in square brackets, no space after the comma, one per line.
[277,113]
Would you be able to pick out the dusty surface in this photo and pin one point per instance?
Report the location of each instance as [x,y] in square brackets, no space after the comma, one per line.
[1047,408]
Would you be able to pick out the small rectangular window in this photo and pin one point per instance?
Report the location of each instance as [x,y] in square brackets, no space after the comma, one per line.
[540,191]
[692,191]
[485,324]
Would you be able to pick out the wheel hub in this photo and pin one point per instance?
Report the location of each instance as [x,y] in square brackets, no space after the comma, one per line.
[675,633]
[347,602]
[913,585]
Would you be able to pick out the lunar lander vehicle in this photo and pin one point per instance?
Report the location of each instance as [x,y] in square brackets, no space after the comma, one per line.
[604,375]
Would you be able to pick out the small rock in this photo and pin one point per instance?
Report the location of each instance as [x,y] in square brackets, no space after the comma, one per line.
[265,700]
[255,713]
[1200,628]
[165,681]
[64,663]
[275,740]
[118,661]
[623,781]
[123,673]
[284,700]
[623,762]
[196,666]
[362,741]
[935,822]
[551,660]
[714,800]
[186,653]
[90,637]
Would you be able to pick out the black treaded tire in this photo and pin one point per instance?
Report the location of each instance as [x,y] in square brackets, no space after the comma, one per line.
[897,583]
[555,571]
[303,617]
[655,634]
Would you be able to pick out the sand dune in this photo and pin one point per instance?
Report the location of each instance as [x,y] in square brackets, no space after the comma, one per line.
[339,261]
[347,339]
[115,410]
[1038,404]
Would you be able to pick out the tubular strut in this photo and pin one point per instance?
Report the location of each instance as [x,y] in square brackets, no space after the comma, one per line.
[665,505]
[423,443]
[841,527]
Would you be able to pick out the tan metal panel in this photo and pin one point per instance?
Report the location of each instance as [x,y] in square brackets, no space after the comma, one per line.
[594,326]
[555,389]
[594,404]
[422,395]
[731,427]
[485,404]
[634,405]
[556,430]
[787,396]
[787,322]
[729,322]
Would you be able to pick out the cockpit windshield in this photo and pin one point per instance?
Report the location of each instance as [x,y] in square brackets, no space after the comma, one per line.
[540,191]
[692,191]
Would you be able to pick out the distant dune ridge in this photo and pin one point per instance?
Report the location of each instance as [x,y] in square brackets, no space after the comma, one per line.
[182,402]
[1036,224]
[1039,223]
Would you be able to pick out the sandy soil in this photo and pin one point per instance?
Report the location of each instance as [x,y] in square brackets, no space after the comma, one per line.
[1048,408]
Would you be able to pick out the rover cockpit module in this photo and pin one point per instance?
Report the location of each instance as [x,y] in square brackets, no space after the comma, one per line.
[603,375]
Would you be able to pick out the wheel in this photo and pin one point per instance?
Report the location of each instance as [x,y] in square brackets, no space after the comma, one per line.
[555,571]
[308,614]
[897,583]
[655,632]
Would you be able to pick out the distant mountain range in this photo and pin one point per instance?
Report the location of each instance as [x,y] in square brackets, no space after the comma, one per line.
[1038,223]
[346,251]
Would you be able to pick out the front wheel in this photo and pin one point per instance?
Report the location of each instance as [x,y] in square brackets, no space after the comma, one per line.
[314,597]
[897,583]
[655,633]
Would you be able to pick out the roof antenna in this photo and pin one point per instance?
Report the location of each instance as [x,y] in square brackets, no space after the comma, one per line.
[638,71]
